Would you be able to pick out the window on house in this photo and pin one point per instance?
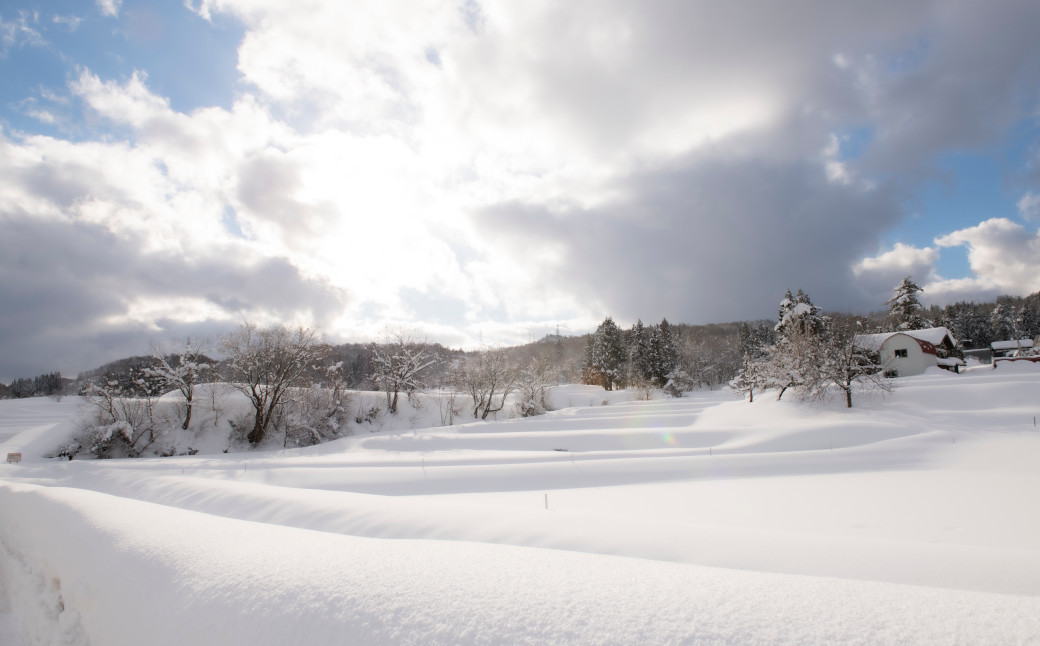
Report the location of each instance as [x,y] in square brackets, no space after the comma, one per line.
[901,353]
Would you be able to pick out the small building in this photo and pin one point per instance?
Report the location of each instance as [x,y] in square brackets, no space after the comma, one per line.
[1012,348]
[911,352]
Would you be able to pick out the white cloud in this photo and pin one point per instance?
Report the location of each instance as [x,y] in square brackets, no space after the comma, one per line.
[1029,206]
[1003,255]
[901,259]
[109,7]
[71,22]
[19,32]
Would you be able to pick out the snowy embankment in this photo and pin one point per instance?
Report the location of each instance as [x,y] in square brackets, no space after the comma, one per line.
[909,519]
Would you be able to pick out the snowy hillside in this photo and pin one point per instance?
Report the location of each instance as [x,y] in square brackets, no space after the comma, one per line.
[909,519]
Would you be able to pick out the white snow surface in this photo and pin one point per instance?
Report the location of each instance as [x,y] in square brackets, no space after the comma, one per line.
[911,518]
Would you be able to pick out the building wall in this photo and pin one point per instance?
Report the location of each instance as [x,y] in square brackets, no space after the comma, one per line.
[915,362]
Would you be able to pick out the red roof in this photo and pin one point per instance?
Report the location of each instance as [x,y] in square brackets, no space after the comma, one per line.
[926,347]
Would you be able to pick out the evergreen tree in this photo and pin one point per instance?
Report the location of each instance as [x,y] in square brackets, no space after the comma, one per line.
[795,359]
[605,357]
[639,369]
[664,355]
[904,308]
[1002,320]
[590,373]
[1028,316]
[610,354]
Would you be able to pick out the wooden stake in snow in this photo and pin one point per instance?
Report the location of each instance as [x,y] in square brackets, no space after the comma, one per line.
[547,502]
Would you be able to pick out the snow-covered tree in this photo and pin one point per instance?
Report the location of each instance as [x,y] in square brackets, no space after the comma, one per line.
[124,420]
[905,310]
[1002,319]
[181,371]
[845,364]
[490,379]
[795,359]
[320,412]
[664,353]
[754,368]
[400,364]
[534,386]
[751,376]
[605,356]
[640,374]
[264,364]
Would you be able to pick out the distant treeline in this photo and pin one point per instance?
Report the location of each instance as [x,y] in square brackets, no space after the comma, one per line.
[41,386]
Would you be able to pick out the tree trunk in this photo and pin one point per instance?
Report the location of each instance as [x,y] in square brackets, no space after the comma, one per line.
[187,418]
[848,398]
[259,429]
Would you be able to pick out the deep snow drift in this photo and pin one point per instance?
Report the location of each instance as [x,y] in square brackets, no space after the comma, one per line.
[908,519]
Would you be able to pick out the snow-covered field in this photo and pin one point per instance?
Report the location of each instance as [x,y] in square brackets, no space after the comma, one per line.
[912,518]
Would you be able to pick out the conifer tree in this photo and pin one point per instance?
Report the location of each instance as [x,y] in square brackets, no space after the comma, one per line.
[904,308]
[1002,320]
[664,355]
[609,356]
[795,359]
[639,372]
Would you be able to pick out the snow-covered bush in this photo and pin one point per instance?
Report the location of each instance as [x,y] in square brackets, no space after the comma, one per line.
[490,379]
[121,422]
[315,415]
[679,381]
[400,364]
[534,387]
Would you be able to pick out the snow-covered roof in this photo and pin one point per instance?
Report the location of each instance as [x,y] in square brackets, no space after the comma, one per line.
[1012,345]
[873,342]
[932,335]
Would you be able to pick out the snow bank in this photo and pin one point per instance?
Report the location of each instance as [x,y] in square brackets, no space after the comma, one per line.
[116,572]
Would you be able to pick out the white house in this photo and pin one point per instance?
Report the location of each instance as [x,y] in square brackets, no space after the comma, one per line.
[911,352]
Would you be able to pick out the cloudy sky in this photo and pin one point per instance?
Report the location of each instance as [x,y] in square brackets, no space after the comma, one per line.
[487,169]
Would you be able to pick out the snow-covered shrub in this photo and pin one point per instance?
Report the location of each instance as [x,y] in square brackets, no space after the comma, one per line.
[314,415]
[679,382]
[534,388]
[120,423]
[368,414]
[449,405]
[490,378]
[400,364]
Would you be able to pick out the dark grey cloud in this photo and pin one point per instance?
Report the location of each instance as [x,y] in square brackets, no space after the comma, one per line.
[972,73]
[709,240]
[62,283]
[721,235]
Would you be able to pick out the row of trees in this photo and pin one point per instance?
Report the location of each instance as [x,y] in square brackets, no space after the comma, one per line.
[673,358]
[294,385]
[44,385]
[639,357]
